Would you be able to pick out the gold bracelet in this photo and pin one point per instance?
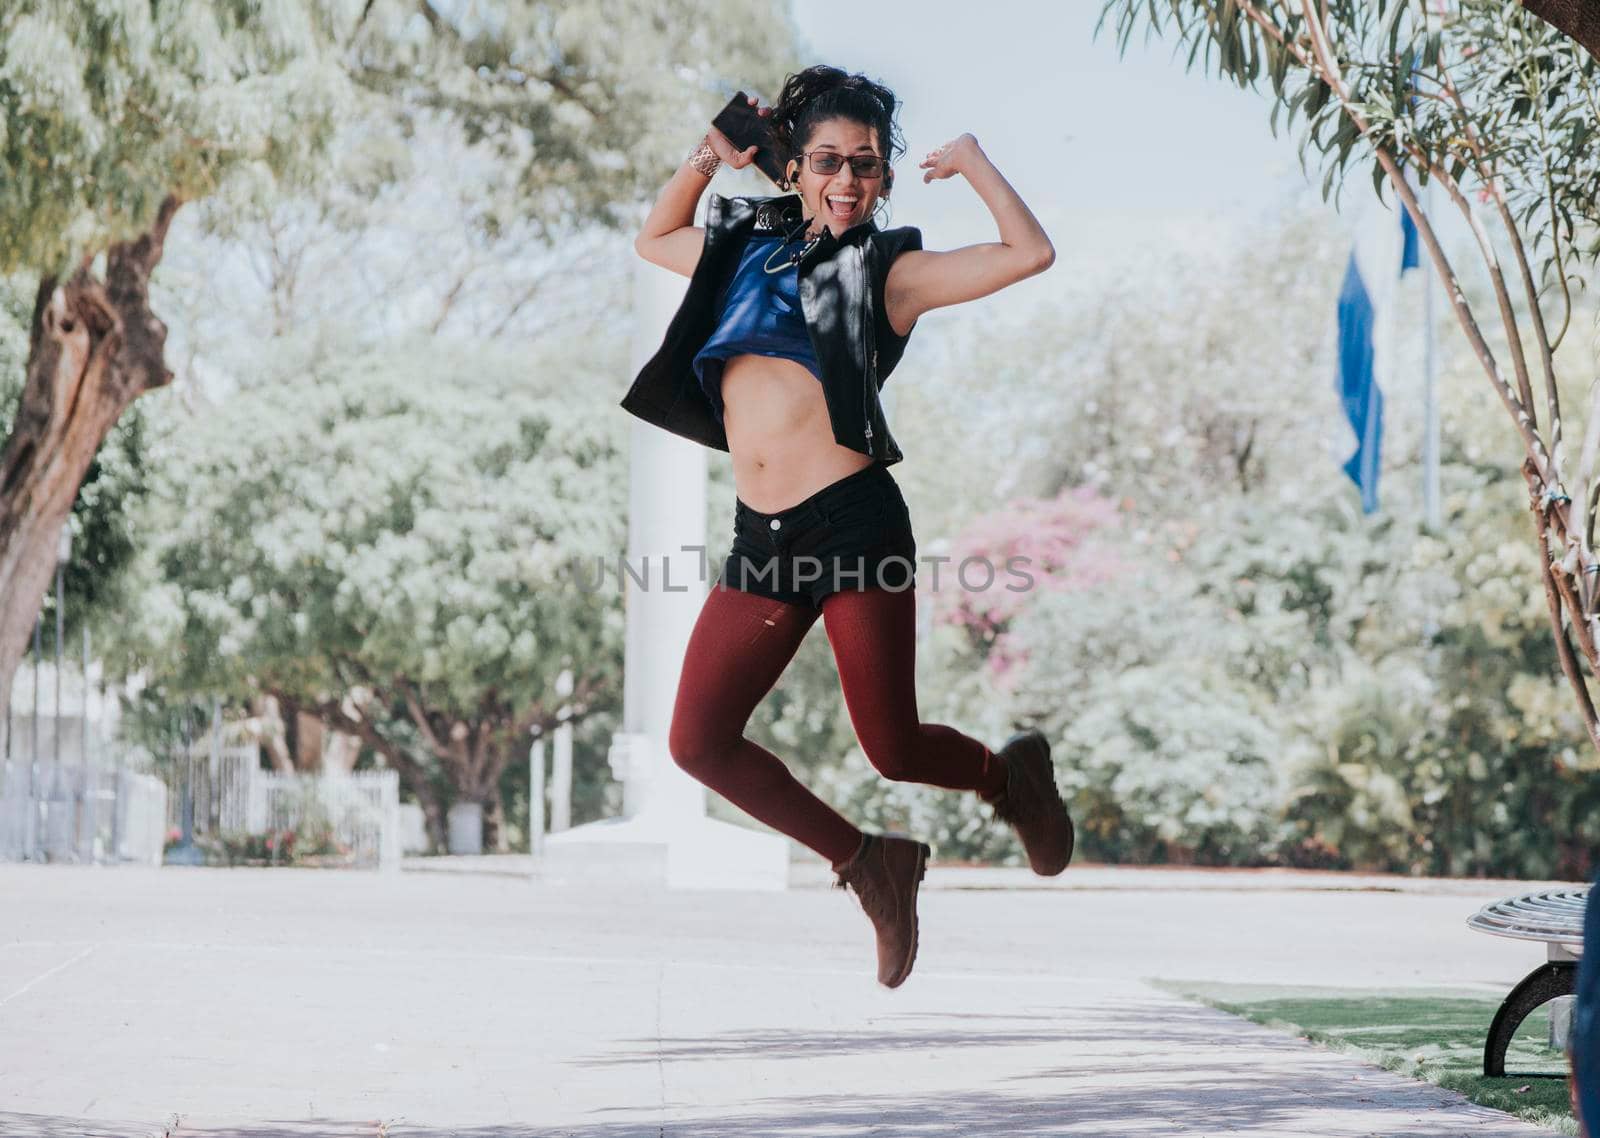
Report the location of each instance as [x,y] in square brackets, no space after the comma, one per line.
[704,159]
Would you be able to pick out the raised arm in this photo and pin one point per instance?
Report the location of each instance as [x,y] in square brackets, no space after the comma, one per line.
[669,237]
[921,279]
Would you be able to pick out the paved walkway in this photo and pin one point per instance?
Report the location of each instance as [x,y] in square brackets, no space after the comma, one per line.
[280,1003]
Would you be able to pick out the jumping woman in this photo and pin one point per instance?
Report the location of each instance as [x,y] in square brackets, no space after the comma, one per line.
[798,308]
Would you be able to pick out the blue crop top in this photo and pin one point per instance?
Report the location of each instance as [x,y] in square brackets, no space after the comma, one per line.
[757,312]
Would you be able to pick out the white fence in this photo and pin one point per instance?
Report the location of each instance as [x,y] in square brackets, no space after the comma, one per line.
[348,818]
[354,817]
[88,812]
[359,812]
[79,812]
[221,784]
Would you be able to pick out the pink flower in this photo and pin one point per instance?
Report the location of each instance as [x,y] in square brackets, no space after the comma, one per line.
[1055,542]
[1000,562]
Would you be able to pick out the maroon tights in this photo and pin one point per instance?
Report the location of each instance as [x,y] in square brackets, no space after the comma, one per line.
[741,644]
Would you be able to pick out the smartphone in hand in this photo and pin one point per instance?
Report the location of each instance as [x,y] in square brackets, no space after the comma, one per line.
[744,128]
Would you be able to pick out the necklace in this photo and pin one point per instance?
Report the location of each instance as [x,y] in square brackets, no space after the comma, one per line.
[792,257]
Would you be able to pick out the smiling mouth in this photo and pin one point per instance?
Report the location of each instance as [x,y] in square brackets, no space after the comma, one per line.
[841,209]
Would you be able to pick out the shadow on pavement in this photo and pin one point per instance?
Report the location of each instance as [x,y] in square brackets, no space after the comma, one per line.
[1121,1092]
[1110,1023]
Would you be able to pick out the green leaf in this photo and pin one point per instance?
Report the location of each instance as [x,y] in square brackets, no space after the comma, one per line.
[1320,94]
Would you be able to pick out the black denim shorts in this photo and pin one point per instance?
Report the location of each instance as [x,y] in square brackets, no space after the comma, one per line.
[852,534]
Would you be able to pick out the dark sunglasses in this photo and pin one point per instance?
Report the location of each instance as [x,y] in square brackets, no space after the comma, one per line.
[831,162]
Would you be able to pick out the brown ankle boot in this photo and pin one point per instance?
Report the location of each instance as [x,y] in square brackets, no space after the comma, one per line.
[1032,805]
[885,874]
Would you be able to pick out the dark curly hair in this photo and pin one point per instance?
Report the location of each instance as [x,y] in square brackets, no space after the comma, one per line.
[820,93]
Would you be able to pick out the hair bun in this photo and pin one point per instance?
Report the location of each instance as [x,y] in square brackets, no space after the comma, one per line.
[821,92]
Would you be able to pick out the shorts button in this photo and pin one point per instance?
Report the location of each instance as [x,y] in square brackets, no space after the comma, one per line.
[774,523]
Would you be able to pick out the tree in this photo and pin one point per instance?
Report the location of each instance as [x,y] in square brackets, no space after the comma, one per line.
[102,543]
[1150,387]
[416,571]
[589,106]
[111,117]
[1501,111]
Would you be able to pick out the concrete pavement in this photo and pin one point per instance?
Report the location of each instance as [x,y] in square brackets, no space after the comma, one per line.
[284,1003]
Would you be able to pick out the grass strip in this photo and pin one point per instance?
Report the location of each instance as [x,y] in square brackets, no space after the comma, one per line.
[1434,1035]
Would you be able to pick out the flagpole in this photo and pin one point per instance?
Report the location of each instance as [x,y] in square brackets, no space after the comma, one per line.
[1430,410]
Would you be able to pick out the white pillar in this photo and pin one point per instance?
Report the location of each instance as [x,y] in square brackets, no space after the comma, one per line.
[536,798]
[666,511]
[561,766]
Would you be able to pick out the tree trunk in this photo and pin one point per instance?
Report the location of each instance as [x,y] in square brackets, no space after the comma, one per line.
[266,709]
[494,821]
[308,736]
[1579,19]
[341,752]
[93,348]
[433,817]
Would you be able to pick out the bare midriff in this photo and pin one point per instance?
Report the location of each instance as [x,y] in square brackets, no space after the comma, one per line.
[779,434]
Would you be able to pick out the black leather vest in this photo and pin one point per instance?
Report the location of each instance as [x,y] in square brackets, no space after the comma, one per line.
[841,295]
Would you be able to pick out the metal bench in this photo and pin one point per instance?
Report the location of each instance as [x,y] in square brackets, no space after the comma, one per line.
[1555,917]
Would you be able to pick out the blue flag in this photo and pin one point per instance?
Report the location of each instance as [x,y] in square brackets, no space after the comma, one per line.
[1371,268]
